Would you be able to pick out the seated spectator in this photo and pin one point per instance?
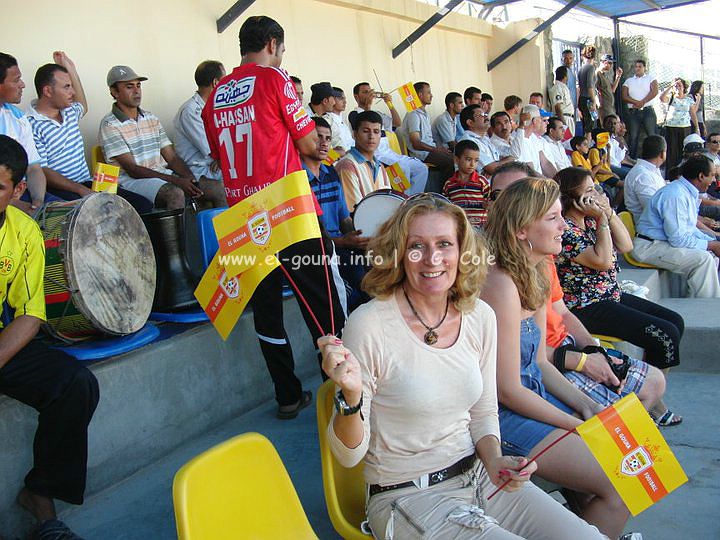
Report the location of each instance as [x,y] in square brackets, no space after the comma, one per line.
[667,234]
[346,140]
[587,268]
[393,370]
[709,203]
[554,148]
[471,96]
[299,90]
[579,156]
[712,145]
[526,144]
[418,132]
[55,121]
[475,122]
[501,126]
[645,178]
[599,158]
[135,140]
[512,105]
[364,96]
[360,171]
[561,98]
[620,160]
[486,102]
[537,404]
[349,244]
[466,188]
[443,127]
[14,124]
[322,103]
[190,140]
[508,174]
[62,390]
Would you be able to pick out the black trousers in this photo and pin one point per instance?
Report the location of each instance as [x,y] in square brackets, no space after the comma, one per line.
[303,261]
[643,323]
[674,137]
[65,393]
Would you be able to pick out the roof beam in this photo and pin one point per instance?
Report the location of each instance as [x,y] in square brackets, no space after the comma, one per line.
[532,35]
[424,27]
[231,15]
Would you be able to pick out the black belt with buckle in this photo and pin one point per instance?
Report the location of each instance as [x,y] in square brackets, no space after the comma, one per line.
[433,478]
[644,237]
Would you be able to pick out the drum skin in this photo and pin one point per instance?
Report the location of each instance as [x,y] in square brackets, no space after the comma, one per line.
[109,262]
[375,209]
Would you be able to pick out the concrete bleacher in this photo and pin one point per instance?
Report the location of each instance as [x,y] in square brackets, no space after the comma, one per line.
[152,401]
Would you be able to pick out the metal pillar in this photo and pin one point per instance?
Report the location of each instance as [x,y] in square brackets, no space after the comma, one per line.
[532,35]
[424,27]
[231,15]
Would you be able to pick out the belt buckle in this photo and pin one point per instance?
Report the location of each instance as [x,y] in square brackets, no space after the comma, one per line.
[422,482]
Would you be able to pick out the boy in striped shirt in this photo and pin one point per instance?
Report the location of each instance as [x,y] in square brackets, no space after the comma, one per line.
[466,188]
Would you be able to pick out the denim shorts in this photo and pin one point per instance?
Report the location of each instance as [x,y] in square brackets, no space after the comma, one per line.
[521,434]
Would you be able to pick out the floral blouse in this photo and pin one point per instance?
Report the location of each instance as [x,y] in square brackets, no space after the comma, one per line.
[583,285]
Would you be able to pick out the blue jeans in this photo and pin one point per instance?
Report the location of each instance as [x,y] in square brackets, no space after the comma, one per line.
[636,120]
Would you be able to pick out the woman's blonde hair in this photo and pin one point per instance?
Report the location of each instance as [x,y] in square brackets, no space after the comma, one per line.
[516,207]
[389,246]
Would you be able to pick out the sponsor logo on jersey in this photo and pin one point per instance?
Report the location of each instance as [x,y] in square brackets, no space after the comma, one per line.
[234,92]
[300,113]
[289,90]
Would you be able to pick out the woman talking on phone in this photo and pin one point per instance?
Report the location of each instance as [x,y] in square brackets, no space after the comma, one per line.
[587,268]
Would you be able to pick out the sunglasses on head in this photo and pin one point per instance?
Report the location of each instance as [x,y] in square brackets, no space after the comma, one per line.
[426,196]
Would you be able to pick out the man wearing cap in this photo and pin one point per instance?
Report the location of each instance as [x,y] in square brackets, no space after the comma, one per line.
[14,123]
[135,140]
[638,92]
[606,85]
[55,120]
[190,138]
[525,142]
[256,126]
[561,99]
[322,103]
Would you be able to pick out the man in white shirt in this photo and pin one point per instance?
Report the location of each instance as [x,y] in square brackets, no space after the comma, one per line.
[346,138]
[712,145]
[645,178]
[525,142]
[561,99]
[443,127]
[553,144]
[501,125]
[365,95]
[475,121]
[418,132]
[471,96]
[638,92]
[620,161]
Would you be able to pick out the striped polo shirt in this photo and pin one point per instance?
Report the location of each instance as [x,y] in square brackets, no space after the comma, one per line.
[142,138]
[471,196]
[60,144]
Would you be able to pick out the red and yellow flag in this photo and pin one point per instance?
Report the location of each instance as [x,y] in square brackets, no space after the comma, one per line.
[332,157]
[106,178]
[409,97]
[223,297]
[398,180]
[267,222]
[632,452]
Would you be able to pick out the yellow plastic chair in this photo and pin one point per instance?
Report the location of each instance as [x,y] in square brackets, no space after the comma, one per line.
[344,488]
[627,220]
[394,142]
[96,156]
[238,489]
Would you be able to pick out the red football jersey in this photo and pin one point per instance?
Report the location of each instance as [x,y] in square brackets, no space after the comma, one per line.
[251,119]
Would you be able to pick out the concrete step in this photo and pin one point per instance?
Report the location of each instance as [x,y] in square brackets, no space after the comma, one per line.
[700,345]
[141,507]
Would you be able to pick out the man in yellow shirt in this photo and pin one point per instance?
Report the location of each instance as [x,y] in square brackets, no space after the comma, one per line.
[63,391]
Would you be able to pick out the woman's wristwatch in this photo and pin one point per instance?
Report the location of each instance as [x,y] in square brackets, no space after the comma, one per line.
[342,407]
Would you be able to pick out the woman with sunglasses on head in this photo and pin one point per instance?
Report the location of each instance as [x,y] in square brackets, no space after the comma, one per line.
[537,404]
[681,117]
[417,400]
[587,268]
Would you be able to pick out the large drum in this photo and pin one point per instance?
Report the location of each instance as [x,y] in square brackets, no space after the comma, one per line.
[99,267]
[375,209]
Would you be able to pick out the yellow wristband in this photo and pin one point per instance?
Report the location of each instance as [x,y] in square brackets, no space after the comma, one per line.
[581,363]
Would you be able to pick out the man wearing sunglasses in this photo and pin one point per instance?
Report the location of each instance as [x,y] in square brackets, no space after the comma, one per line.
[712,145]
[475,123]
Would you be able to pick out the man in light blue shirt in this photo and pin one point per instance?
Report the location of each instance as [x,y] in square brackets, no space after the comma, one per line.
[443,128]
[667,235]
[568,59]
